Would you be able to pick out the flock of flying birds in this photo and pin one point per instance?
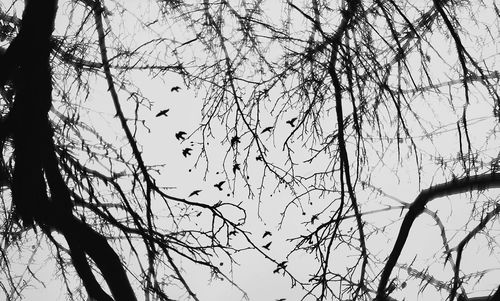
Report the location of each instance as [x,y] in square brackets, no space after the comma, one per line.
[180,135]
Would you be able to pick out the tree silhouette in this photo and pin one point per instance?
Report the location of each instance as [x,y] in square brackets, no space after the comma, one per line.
[346,120]
[368,93]
[49,163]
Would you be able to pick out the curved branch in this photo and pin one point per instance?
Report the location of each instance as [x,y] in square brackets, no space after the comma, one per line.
[455,186]
[463,243]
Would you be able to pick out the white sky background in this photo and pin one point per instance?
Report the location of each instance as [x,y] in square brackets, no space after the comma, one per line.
[254,274]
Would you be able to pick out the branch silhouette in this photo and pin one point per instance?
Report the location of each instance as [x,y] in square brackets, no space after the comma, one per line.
[455,186]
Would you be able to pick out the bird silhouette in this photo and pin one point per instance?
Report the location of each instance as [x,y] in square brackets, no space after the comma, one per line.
[291,122]
[219,185]
[196,192]
[232,233]
[280,266]
[258,158]
[268,129]
[187,151]
[180,135]
[267,233]
[266,246]
[235,140]
[313,218]
[236,166]
[175,89]
[163,112]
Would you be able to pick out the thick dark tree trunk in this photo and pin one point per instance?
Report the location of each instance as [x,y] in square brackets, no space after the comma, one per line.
[28,66]
[26,63]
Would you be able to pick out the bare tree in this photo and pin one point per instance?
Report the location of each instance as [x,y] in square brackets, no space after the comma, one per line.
[334,104]
[358,91]
[52,159]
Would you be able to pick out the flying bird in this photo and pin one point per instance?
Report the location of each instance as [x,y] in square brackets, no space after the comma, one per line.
[180,135]
[163,112]
[196,192]
[187,151]
[266,246]
[175,89]
[280,266]
[268,129]
[236,167]
[267,233]
[291,122]
[314,218]
[219,185]
[235,140]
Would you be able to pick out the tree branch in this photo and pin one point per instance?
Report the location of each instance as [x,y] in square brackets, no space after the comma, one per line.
[455,186]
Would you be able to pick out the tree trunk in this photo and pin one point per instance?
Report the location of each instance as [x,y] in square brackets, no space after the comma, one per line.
[27,64]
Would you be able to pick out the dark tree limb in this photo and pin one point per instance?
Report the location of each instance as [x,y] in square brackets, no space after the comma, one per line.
[455,186]
[82,266]
[106,259]
[348,16]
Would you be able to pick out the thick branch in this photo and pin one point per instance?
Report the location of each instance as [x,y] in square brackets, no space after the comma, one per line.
[106,259]
[456,186]
[83,268]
